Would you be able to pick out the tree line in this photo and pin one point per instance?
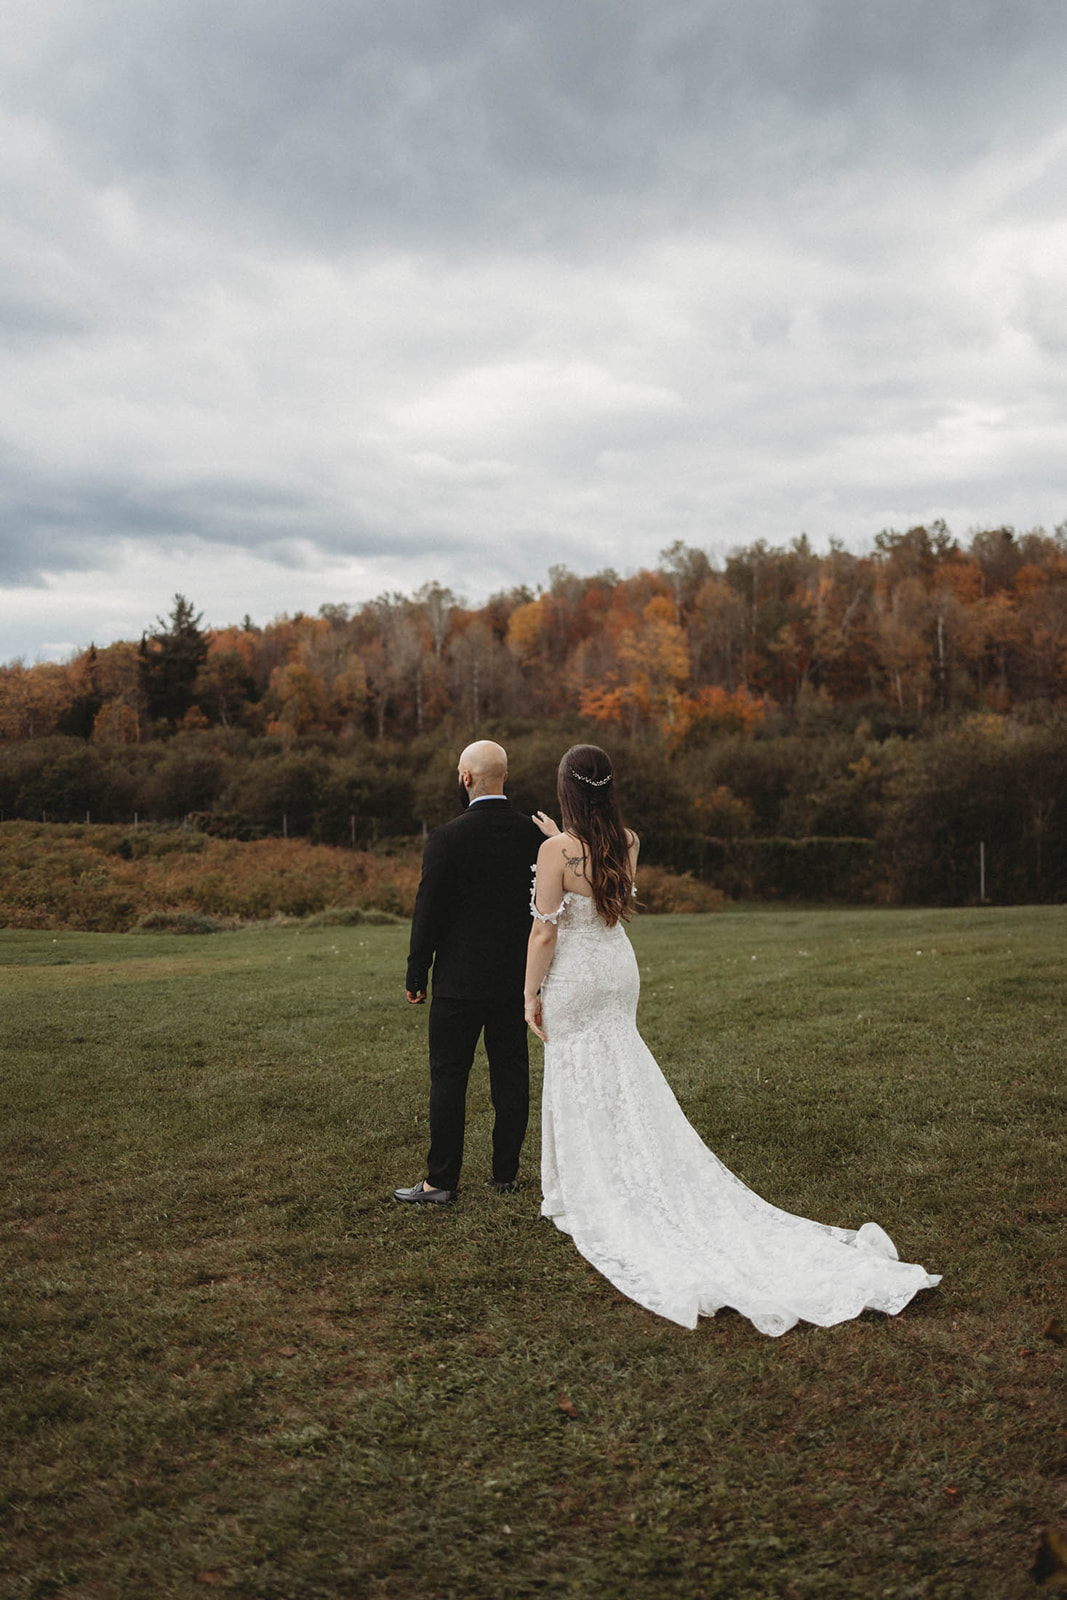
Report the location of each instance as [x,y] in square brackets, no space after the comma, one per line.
[812,812]
[889,726]
[919,626]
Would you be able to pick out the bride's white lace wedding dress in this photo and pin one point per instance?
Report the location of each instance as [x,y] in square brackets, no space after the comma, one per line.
[644,1199]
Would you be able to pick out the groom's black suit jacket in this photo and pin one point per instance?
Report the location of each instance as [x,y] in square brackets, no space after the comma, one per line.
[472,911]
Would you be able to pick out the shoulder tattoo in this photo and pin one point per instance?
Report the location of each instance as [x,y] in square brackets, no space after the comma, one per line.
[576,863]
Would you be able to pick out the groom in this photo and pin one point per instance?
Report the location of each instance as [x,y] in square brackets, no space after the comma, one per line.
[472,922]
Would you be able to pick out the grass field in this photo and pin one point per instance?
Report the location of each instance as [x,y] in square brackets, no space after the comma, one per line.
[230,1362]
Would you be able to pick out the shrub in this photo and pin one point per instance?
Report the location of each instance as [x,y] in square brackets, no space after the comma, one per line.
[175,922]
[63,779]
[662,893]
[350,916]
[991,781]
[187,779]
[278,792]
[802,869]
[104,879]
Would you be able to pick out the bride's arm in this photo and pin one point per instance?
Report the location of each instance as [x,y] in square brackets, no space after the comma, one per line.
[539,953]
[546,907]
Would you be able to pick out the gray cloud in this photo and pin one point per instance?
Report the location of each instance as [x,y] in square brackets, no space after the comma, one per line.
[459,290]
[420,122]
[78,523]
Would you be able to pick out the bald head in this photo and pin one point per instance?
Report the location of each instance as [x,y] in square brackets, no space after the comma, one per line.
[483,768]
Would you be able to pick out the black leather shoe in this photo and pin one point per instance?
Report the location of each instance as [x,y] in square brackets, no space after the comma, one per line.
[511,1187]
[418,1196]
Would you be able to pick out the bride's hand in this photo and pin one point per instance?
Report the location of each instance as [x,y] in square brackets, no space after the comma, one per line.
[545,823]
[533,1017]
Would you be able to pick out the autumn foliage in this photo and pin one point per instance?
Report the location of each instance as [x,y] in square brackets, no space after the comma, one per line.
[919,624]
[901,714]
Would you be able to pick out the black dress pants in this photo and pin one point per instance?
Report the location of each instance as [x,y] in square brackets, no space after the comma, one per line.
[455,1026]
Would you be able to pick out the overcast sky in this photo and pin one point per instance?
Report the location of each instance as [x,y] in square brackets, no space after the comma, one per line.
[304,300]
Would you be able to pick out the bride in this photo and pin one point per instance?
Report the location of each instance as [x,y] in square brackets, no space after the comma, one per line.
[623,1172]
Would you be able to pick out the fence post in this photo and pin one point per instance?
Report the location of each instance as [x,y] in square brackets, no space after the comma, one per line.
[981,872]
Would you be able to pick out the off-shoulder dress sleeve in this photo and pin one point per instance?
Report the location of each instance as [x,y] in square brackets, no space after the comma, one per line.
[544,916]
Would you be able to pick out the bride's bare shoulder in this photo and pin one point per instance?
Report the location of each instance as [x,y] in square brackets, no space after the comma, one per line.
[552,847]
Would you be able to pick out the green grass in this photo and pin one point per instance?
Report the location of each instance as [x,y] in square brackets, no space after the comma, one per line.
[231,1362]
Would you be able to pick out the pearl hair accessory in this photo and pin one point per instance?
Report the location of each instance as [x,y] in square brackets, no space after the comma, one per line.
[594,783]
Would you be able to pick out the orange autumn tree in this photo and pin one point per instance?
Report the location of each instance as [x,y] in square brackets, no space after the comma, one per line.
[226,678]
[322,682]
[921,624]
[122,717]
[714,713]
[1041,596]
[33,699]
[526,625]
[653,667]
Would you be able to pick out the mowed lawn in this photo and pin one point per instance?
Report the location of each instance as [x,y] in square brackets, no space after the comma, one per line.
[231,1362]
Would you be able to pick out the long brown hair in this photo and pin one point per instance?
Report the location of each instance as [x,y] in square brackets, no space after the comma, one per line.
[590,807]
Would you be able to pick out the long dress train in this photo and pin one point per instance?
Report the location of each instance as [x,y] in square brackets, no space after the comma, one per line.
[644,1199]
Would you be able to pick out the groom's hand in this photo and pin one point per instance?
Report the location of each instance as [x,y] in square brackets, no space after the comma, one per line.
[416,999]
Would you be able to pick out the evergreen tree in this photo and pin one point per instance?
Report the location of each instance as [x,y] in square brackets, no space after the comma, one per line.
[170,659]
